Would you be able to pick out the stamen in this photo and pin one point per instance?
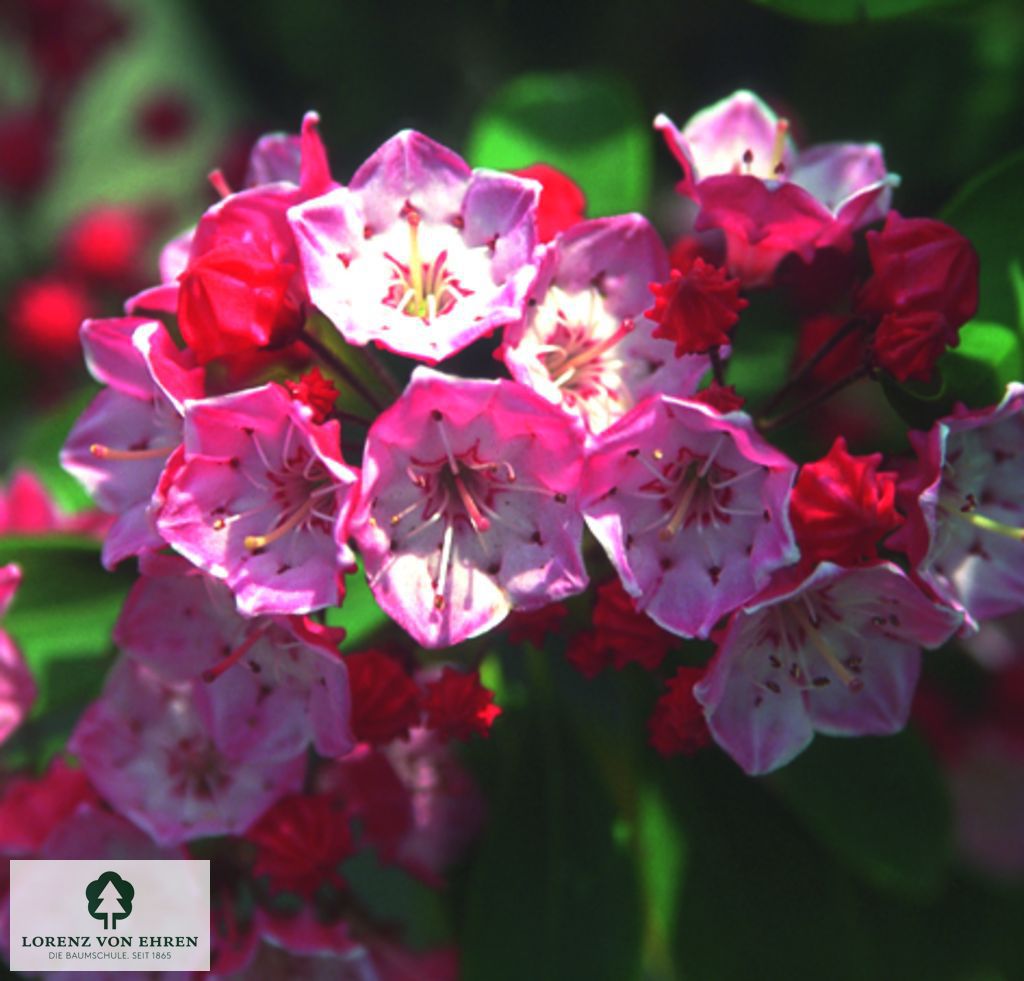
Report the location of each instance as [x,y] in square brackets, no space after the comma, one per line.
[990,524]
[108,453]
[476,518]
[779,145]
[415,262]
[254,542]
[680,512]
[446,561]
[823,647]
[219,183]
[212,674]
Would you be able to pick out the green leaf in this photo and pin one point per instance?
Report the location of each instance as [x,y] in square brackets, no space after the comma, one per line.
[988,356]
[848,11]
[989,210]
[1017,282]
[879,805]
[552,892]
[760,899]
[63,615]
[592,126]
[359,614]
[919,404]
[39,451]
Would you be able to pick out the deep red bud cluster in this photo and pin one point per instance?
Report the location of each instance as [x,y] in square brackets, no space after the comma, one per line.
[677,725]
[696,307]
[317,392]
[385,700]
[456,705]
[300,841]
[924,287]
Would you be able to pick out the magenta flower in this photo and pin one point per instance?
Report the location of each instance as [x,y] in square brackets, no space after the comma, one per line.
[691,507]
[468,506]
[148,750]
[419,254]
[260,498]
[964,533]
[119,446]
[17,687]
[741,167]
[838,652]
[585,343]
[271,682]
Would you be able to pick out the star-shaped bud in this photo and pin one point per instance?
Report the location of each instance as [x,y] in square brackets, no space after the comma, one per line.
[457,705]
[965,513]
[468,506]
[838,652]
[841,507]
[696,308]
[691,507]
[420,254]
[677,725]
[121,443]
[260,498]
[586,343]
[562,202]
[385,699]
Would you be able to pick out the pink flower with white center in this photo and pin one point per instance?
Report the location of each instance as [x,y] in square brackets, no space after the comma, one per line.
[420,254]
[585,343]
[17,687]
[468,506]
[742,168]
[270,682]
[260,498]
[838,652]
[965,512]
[120,444]
[148,750]
[691,507]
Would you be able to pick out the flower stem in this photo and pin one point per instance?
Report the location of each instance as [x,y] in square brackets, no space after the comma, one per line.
[329,358]
[774,422]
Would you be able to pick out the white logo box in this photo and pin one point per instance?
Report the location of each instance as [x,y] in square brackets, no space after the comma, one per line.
[145,916]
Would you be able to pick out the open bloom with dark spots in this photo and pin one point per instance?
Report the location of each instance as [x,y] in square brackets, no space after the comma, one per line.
[260,498]
[964,501]
[419,254]
[838,652]
[146,748]
[586,343]
[742,169]
[468,506]
[120,444]
[691,507]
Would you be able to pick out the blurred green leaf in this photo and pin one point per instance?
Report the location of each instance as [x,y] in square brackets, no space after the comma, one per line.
[552,892]
[919,404]
[879,805]
[63,615]
[39,447]
[592,126]
[760,899]
[1017,281]
[359,614]
[847,11]
[989,210]
[988,356]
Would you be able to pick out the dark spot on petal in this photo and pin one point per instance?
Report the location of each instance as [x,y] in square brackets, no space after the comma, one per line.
[560,498]
[436,415]
[714,574]
[665,563]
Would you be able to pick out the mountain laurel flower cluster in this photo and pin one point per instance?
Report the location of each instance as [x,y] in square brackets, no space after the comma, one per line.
[287,445]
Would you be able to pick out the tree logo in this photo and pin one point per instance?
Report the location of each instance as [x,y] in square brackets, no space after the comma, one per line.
[110,899]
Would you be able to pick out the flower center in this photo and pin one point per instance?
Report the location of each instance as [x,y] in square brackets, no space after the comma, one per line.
[423,289]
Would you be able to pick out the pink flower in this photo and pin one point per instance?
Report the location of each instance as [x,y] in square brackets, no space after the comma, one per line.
[273,683]
[27,508]
[17,687]
[119,446]
[964,533]
[260,498]
[147,749]
[691,507]
[468,506]
[419,254]
[741,167]
[838,652]
[586,343]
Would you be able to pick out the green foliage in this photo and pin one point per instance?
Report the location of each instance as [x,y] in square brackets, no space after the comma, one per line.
[849,11]
[978,370]
[591,126]
[989,210]
[879,805]
[552,892]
